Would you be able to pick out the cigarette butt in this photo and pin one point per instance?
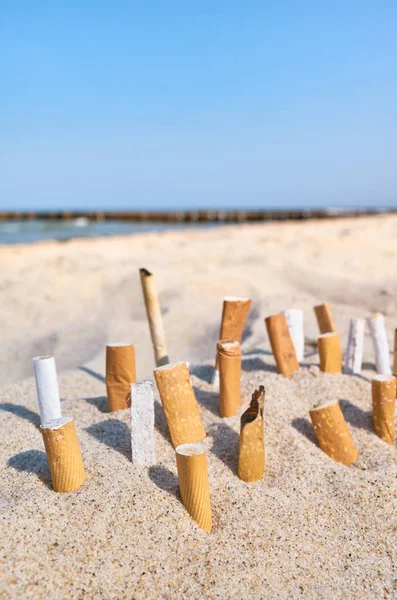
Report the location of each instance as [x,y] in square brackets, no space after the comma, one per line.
[179,403]
[330,353]
[47,388]
[251,459]
[376,324]
[395,354]
[383,406]
[193,483]
[229,359]
[355,344]
[332,433]
[142,424]
[63,454]
[154,317]
[234,315]
[324,318]
[282,346]
[120,373]
[294,317]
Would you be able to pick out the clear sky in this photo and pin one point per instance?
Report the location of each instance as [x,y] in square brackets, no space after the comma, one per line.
[196,103]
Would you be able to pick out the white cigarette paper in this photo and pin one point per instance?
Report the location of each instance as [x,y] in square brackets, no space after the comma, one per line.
[294,317]
[142,424]
[47,388]
[355,345]
[376,324]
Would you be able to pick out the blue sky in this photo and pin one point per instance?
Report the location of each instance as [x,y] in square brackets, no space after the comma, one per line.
[166,104]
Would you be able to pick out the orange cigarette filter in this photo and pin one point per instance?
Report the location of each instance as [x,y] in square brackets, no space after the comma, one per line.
[234,315]
[193,483]
[384,406]
[324,318]
[332,433]
[63,454]
[281,343]
[179,403]
[330,352]
[120,373]
[229,358]
[251,459]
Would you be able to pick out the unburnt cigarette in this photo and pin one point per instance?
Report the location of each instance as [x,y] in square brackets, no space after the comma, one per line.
[154,317]
[193,483]
[330,353]
[324,318]
[384,406]
[332,433]
[376,324]
[120,373]
[47,388]
[281,343]
[294,318]
[355,344]
[63,454]
[179,403]
[142,424]
[229,359]
[251,458]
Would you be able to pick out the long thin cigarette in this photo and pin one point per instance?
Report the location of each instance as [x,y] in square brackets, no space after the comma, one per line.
[229,358]
[281,343]
[47,388]
[63,454]
[384,406]
[193,483]
[251,459]
[330,353]
[294,318]
[179,403]
[332,433]
[324,318]
[120,373]
[142,424]
[154,317]
[355,344]
[376,324]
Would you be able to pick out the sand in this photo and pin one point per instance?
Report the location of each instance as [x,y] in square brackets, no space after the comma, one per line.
[311,528]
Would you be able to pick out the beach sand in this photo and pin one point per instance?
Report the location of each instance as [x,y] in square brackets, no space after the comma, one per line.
[311,528]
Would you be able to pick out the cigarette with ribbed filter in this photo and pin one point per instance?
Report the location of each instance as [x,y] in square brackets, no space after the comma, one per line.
[376,324]
[179,403]
[120,373]
[332,433]
[63,454]
[384,407]
[229,360]
[355,344]
[142,424]
[324,318]
[47,388]
[282,346]
[329,350]
[154,317]
[251,459]
[193,483]
[294,318]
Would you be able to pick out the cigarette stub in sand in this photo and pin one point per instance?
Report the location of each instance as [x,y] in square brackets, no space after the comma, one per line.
[251,459]
[120,373]
[330,353]
[294,318]
[281,343]
[179,403]
[324,318]
[63,454]
[234,316]
[332,433]
[142,424]
[154,317]
[376,324]
[229,359]
[193,483]
[395,354]
[47,388]
[355,344]
[384,406]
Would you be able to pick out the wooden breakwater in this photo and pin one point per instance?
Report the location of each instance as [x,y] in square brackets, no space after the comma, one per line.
[193,216]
